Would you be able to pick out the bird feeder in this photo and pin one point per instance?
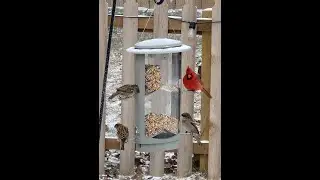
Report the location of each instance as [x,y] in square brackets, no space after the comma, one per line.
[158,110]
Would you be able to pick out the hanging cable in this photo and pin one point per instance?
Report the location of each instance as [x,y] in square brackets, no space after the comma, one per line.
[106,67]
[158,3]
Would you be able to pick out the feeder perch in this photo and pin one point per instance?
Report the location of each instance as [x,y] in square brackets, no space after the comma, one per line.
[165,102]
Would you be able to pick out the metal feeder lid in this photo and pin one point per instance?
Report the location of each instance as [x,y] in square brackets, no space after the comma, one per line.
[158,46]
[158,43]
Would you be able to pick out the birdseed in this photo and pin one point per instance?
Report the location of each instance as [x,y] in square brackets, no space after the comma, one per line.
[156,124]
[152,78]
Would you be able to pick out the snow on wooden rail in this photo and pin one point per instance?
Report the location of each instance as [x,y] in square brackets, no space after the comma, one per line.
[174,23]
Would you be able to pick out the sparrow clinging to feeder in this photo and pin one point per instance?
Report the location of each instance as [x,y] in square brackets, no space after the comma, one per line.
[190,125]
[122,134]
[126,91]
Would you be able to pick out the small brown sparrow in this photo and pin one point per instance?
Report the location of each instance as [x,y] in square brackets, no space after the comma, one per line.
[190,125]
[122,134]
[126,91]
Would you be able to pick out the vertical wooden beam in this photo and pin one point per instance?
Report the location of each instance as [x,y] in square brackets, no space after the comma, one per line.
[179,4]
[160,21]
[160,27]
[207,3]
[120,3]
[130,29]
[199,4]
[214,153]
[205,77]
[151,4]
[103,23]
[157,164]
[171,4]
[189,14]
[143,3]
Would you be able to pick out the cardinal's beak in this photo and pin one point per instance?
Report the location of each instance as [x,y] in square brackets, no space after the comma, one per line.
[189,76]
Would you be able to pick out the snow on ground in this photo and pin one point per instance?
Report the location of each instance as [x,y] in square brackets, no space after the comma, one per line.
[170,163]
[113,114]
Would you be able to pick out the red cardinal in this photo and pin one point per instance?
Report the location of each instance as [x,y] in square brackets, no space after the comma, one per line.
[192,82]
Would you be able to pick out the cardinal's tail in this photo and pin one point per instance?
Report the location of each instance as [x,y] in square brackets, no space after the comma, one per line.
[206,93]
[113,95]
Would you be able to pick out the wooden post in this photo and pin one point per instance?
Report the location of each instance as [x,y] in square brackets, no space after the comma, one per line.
[151,4]
[171,4]
[143,3]
[189,14]
[119,2]
[160,31]
[103,23]
[207,3]
[160,20]
[130,29]
[214,153]
[205,77]
[180,3]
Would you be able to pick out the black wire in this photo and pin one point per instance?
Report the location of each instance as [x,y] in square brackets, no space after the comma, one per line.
[106,67]
[158,3]
[202,23]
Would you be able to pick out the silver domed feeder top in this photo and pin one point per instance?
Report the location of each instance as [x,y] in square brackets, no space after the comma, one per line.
[158,46]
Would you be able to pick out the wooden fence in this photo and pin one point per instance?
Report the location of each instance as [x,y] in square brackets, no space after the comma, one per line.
[210,28]
[172,4]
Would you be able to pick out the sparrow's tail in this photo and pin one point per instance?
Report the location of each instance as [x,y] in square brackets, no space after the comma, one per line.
[206,93]
[198,140]
[122,145]
[113,95]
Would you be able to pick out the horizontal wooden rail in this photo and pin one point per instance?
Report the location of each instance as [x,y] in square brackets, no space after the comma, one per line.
[173,4]
[174,24]
[113,143]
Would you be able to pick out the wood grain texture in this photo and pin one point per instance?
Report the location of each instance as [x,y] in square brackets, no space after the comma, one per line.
[118,3]
[130,27]
[103,22]
[156,167]
[160,20]
[160,27]
[181,3]
[171,4]
[143,3]
[151,4]
[205,78]
[214,153]
[188,59]
[207,3]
